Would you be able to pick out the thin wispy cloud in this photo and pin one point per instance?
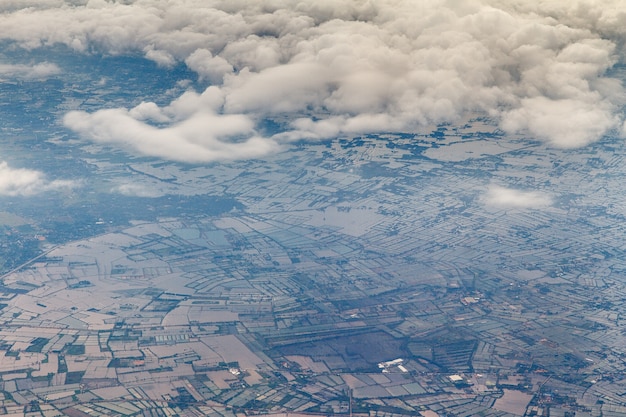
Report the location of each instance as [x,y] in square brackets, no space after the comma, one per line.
[540,68]
[135,190]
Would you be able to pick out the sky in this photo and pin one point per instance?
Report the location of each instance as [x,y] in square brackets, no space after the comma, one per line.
[541,69]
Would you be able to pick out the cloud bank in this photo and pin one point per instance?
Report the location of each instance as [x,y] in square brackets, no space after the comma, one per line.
[343,67]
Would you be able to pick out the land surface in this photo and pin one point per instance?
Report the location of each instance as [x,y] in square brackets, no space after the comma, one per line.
[295,283]
[327,265]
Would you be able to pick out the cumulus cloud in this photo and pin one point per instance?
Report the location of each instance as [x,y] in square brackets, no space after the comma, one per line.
[565,123]
[540,68]
[203,137]
[207,66]
[512,198]
[20,181]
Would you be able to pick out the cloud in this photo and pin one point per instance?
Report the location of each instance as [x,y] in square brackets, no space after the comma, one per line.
[539,68]
[511,198]
[283,89]
[136,190]
[188,130]
[40,71]
[207,66]
[204,136]
[565,123]
[20,181]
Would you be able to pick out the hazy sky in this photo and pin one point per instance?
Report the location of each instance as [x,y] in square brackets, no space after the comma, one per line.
[333,67]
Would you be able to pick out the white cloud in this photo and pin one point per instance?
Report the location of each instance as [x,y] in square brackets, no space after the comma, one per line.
[511,198]
[162,58]
[148,111]
[40,71]
[202,137]
[20,181]
[212,68]
[283,89]
[540,67]
[565,123]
